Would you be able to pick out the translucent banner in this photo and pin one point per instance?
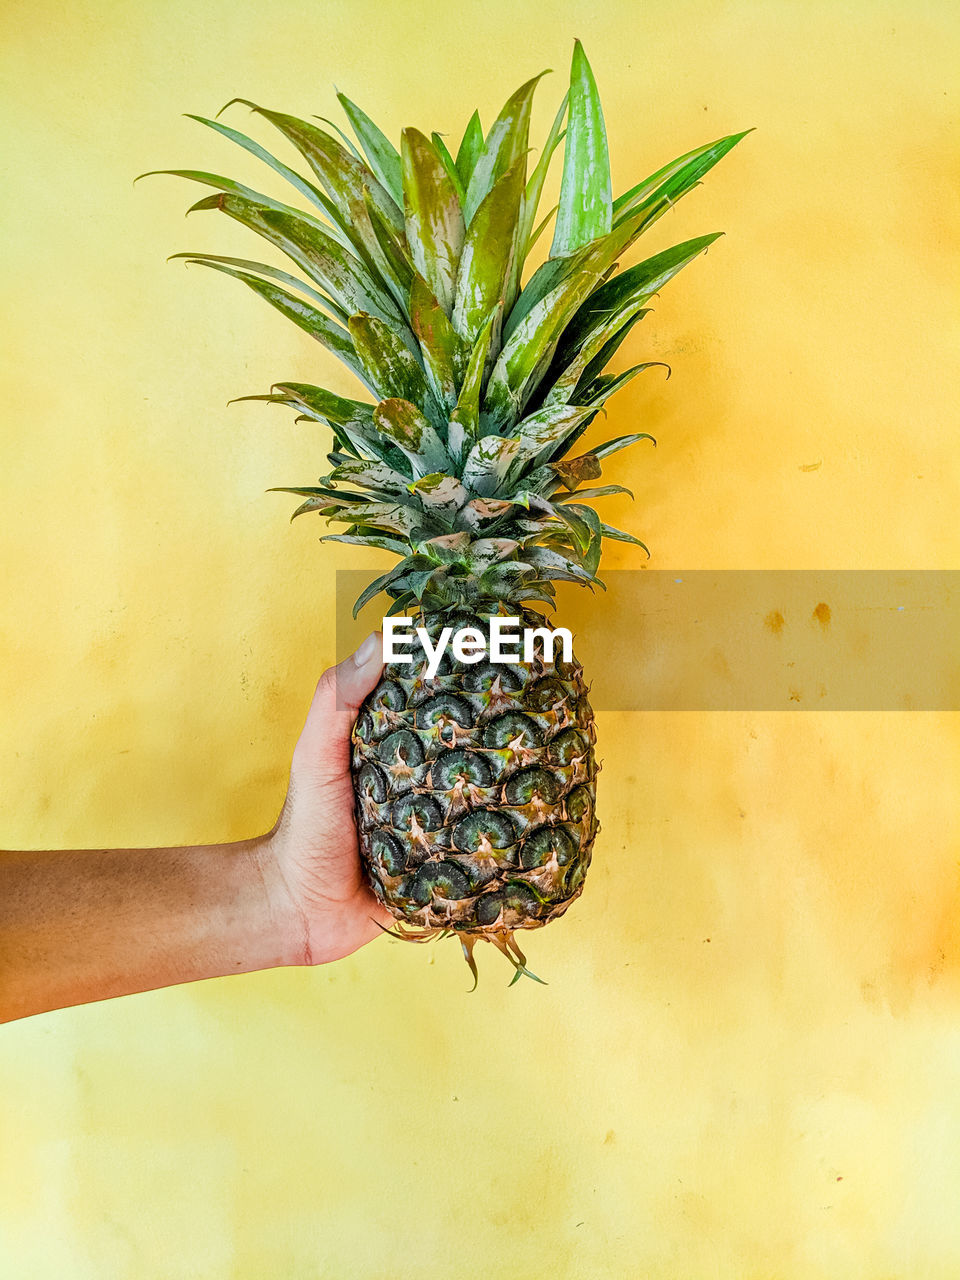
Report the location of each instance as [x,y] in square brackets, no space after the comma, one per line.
[750,640]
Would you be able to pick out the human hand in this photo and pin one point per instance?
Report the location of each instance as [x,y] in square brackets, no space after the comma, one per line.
[312,856]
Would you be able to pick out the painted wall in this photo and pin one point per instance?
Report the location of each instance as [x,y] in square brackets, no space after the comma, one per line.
[747,1062]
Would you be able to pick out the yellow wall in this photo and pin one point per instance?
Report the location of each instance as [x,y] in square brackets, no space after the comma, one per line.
[747,1061]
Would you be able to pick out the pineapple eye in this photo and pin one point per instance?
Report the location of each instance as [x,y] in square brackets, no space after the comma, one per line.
[516,901]
[364,730]
[547,695]
[444,667]
[444,708]
[440,879]
[566,670]
[480,678]
[484,828]
[531,784]
[539,847]
[388,696]
[579,805]
[460,766]
[568,746]
[507,728]
[401,746]
[422,809]
[576,876]
[386,850]
[372,783]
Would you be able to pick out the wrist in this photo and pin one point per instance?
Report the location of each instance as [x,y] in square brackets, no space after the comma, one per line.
[284,918]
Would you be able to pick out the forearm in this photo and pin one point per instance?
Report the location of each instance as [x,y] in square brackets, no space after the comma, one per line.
[83,925]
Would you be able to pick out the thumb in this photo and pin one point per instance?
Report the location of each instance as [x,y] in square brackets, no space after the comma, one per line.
[325,740]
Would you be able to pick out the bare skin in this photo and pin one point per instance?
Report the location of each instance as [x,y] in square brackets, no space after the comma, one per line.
[84,925]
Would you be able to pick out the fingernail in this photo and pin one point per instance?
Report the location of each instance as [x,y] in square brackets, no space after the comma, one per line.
[369,650]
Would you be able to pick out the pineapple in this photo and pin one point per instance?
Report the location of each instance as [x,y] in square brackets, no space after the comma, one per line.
[476,788]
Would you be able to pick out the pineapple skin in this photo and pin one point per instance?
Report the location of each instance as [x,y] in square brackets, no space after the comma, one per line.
[476,790]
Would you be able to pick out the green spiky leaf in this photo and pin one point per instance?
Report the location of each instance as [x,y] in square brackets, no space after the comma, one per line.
[464,425]
[619,442]
[395,265]
[488,251]
[543,434]
[378,585]
[307,317]
[394,517]
[434,220]
[528,351]
[346,180]
[602,491]
[444,353]
[440,492]
[271,273]
[382,156]
[313,193]
[341,174]
[374,475]
[626,292]
[574,471]
[598,392]
[403,424]
[618,535]
[448,548]
[487,464]
[332,266]
[350,420]
[504,145]
[470,147]
[370,539]
[679,176]
[234,188]
[585,210]
[391,368]
[448,162]
[612,307]
[554,565]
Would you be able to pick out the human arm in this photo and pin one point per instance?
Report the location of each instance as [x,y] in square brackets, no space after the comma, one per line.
[84,925]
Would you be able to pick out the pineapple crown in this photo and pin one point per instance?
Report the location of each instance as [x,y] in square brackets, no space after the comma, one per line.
[413,263]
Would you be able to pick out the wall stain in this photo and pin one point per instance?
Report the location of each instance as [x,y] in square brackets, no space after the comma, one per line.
[821,614]
[774,621]
[718,664]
